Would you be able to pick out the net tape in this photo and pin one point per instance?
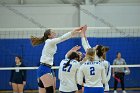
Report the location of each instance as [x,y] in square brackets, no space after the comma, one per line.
[57,67]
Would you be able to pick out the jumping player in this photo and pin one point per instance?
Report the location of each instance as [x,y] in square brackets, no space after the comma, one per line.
[44,74]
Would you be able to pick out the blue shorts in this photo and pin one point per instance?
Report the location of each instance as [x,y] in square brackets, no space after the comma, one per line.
[79,87]
[42,70]
[93,90]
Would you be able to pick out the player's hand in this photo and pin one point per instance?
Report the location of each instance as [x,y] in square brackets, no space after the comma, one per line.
[10,83]
[78,29]
[24,83]
[75,48]
[84,28]
[83,31]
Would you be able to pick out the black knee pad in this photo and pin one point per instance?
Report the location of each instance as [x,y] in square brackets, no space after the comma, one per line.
[40,84]
[49,89]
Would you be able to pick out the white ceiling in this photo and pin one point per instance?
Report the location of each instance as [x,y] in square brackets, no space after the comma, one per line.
[67,1]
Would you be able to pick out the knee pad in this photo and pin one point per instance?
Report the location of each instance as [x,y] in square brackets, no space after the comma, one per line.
[40,84]
[49,89]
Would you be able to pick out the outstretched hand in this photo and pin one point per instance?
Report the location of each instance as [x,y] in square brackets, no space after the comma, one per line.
[78,30]
[83,34]
[76,48]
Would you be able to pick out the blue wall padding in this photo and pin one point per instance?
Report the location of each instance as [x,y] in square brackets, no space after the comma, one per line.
[9,48]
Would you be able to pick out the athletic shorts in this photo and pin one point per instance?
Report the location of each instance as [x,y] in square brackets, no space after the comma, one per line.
[42,70]
[93,90]
[17,81]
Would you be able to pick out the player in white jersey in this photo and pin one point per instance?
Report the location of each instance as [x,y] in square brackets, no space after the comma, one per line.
[107,66]
[93,72]
[45,78]
[104,49]
[68,72]
[75,49]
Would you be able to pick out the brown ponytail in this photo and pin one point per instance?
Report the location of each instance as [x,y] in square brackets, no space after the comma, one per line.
[101,50]
[36,41]
[72,56]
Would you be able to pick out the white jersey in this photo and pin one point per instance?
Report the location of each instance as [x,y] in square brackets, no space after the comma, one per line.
[94,74]
[68,75]
[50,48]
[106,64]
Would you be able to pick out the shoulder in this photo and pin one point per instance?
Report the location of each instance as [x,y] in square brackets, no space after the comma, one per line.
[75,62]
[84,64]
[106,62]
[64,61]
[48,40]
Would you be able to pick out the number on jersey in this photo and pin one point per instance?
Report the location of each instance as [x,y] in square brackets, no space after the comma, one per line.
[67,69]
[92,71]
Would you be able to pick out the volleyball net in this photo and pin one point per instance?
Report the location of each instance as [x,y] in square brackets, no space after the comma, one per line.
[16,41]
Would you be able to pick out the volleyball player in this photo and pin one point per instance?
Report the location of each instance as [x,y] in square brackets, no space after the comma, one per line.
[45,78]
[106,64]
[104,49]
[18,77]
[75,49]
[68,72]
[93,72]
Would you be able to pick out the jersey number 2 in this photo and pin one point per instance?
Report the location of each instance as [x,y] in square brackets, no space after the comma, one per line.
[92,71]
[67,69]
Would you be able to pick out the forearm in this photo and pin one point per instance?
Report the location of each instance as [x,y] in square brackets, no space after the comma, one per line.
[65,36]
[85,43]
[68,53]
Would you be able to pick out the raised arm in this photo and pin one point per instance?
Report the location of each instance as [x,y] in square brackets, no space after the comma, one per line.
[66,36]
[84,40]
[74,49]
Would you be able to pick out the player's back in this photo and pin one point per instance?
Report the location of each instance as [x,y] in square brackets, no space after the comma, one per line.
[67,75]
[94,73]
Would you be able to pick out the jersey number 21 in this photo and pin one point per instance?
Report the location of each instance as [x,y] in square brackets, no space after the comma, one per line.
[67,69]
